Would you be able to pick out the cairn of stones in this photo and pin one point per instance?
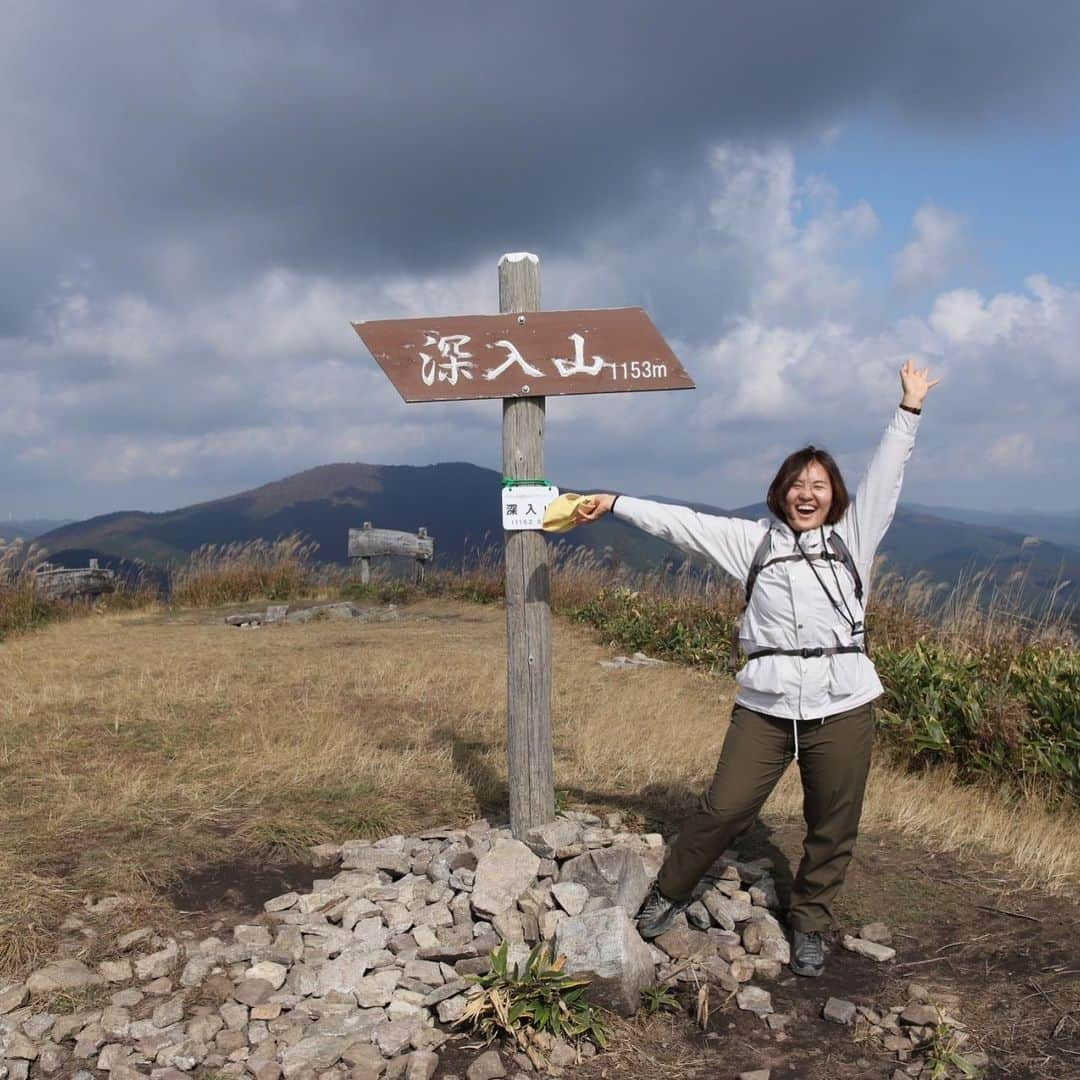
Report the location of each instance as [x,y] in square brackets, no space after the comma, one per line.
[366,975]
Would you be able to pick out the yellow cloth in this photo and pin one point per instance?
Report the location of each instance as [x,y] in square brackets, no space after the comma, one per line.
[561,515]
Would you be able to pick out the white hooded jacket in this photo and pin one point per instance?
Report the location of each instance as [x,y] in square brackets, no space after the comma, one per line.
[788,608]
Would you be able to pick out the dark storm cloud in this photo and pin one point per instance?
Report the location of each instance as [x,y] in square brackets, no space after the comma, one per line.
[181,145]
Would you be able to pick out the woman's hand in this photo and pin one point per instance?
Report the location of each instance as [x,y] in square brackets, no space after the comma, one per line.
[595,507]
[917,384]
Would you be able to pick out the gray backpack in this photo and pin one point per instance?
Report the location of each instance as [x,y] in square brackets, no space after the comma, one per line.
[839,553]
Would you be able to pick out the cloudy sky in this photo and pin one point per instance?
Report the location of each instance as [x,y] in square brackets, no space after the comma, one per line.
[196,197]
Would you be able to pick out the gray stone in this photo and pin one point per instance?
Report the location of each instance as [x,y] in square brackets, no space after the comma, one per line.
[726,910]
[488,1066]
[876,932]
[205,1028]
[727,943]
[838,1011]
[682,941]
[422,1065]
[255,937]
[869,949]
[571,896]
[502,875]
[38,1025]
[920,1015]
[559,839]
[115,971]
[51,1058]
[67,1027]
[90,1040]
[316,1052]
[425,971]
[344,972]
[606,946]
[169,1012]
[235,1016]
[19,1047]
[377,990]
[62,975]
[158,964]
[617,875]
[115,1022]
[742,968]
[135,937]
[754,999]
[12,997]
[253,991]
[393,1037]
[755,1074]
[451,1010]
[359,855]
[274,974]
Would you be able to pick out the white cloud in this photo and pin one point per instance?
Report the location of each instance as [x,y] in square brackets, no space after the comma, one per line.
[938,246]
[161,404]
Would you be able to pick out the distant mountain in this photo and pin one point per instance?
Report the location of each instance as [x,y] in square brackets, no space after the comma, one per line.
[458,503]
[1060,528]
[951,551]
[28,528]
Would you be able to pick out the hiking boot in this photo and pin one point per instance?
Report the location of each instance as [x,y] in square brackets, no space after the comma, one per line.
[807,953]
[657,913]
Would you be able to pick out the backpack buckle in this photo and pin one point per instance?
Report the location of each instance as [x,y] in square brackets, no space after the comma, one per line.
[807,653]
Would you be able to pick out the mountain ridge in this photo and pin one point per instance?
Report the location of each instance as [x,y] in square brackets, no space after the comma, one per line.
[458,503]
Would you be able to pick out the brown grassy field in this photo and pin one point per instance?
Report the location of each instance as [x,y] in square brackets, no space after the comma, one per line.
[138,747]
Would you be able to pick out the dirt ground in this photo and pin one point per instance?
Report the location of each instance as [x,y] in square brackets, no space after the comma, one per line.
[1010,954]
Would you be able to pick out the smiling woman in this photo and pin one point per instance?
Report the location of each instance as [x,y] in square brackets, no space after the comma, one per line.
[808,683]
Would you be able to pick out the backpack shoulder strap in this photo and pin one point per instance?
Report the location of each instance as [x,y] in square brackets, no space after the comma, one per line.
[836,542]
[757,563]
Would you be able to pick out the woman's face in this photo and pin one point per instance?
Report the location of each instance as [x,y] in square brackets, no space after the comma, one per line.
[808,500]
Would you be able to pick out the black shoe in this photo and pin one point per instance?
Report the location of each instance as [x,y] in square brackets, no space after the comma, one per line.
[657,913]
[807,953]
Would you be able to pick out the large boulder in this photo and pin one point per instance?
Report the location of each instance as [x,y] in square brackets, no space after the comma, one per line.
[617,875]
[606,947]
[502,875]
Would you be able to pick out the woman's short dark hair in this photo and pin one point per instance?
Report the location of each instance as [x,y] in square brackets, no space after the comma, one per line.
[789,472]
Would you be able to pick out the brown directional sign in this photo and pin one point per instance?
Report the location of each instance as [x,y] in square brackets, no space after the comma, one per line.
[535,354]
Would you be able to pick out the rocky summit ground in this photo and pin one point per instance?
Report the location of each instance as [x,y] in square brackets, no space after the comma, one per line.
[362,971]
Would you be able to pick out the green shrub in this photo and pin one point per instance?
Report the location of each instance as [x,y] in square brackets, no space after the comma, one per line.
[538,996]
[664,627]
[991,715]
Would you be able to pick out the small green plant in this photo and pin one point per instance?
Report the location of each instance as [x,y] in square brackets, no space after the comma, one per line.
[657,999]
[524,1000]
[944,1057]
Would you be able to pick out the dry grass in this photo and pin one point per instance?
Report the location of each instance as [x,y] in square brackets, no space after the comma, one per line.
[136,747]
[233,573]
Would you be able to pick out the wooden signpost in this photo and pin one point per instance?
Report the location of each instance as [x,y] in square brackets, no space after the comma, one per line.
[523,356]
[369,543]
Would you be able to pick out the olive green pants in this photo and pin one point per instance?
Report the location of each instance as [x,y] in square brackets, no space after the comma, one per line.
[834,759]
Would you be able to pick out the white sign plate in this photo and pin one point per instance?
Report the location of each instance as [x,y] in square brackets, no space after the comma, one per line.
[523,505]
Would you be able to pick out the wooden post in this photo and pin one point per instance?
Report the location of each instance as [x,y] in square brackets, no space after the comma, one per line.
[365,563]
[528,589]
[421,534]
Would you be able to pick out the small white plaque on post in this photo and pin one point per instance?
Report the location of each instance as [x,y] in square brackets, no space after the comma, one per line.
[523,505]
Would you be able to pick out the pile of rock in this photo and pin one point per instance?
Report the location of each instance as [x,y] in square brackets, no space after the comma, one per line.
[365,975]
[909,1030]
[276,613]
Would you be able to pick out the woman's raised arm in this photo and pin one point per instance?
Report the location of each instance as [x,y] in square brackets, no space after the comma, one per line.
[871,513]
